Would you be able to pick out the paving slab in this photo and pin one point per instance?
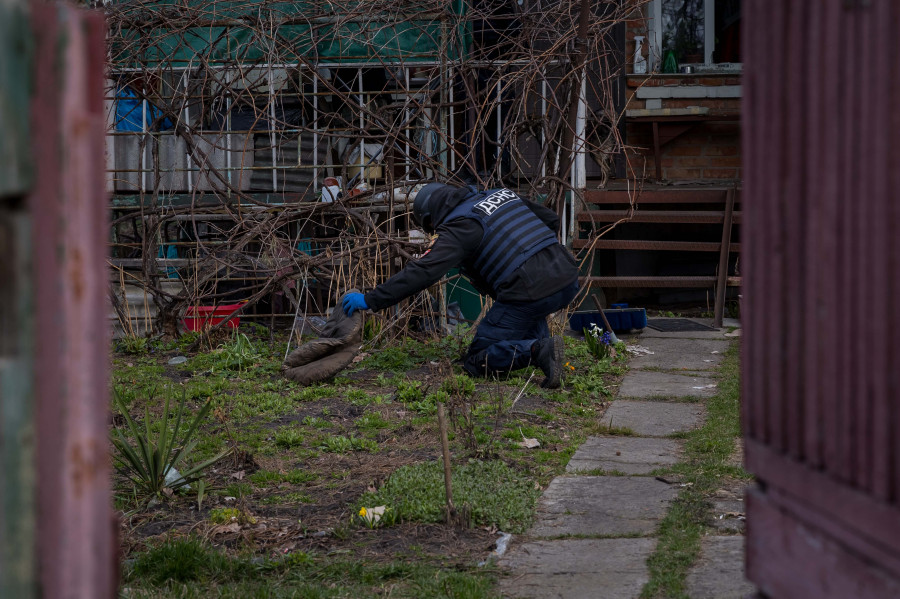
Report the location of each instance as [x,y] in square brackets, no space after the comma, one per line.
[728,515]
[731,322]
[653,418]
[577,569]
[649,383]
[681,354]
[601,505]
[720,572]
[631,455]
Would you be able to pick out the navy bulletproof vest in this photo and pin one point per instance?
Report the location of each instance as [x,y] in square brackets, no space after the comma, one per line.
[512,233]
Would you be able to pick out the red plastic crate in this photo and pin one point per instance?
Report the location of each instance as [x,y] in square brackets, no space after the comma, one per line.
[197,318]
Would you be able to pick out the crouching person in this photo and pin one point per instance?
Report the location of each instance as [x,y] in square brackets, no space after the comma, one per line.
[506,246]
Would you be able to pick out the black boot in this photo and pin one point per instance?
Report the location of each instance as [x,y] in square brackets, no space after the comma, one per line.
[547,354]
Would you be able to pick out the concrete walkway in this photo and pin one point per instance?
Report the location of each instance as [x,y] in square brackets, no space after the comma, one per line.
[594,532]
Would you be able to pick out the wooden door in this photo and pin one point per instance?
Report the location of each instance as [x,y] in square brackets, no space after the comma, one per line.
[821,301]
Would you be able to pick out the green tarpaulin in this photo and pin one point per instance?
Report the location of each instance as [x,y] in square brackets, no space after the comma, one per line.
[228,32]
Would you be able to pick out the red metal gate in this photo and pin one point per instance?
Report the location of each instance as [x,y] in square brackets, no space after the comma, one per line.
[822,297]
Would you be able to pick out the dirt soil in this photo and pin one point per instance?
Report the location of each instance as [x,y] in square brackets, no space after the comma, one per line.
[295,495]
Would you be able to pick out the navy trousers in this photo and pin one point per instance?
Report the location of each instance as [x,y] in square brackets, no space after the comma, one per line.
[505,335]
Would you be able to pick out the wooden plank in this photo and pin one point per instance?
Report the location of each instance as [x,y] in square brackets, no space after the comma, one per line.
[773,240]
[15,84]
[862,345]
[651,282]
[794,204]
[713,217]
[722,274]
[816,274]
[829,173]
[848,149]
[704,195]
[18,569]
[791,559]
[751,350]
[882,77]
[18,576]
[892,223]
[831,498]
[656,246]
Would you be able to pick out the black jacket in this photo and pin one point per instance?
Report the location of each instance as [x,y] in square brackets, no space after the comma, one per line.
[542,275]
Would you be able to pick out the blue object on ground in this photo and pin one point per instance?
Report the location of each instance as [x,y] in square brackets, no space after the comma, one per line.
[618,306]
[624,319]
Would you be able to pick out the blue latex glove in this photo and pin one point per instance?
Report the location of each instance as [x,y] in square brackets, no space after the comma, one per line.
[353,302]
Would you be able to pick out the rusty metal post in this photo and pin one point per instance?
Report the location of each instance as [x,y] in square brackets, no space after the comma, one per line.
[69,205]
[56,518]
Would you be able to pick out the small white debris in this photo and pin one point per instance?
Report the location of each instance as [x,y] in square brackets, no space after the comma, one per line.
[638,350]
[713,386]
[230,499]
[502,544]
[528,443]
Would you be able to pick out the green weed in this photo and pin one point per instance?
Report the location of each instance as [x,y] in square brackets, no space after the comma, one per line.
[315,422]
[372,421]
[225,515]
[289,437]
[409,391]
[287,499]
[494,492]
[133,345]
[238,490]
[342,444]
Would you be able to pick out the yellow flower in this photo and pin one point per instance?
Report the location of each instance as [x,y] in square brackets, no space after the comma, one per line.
[362,512]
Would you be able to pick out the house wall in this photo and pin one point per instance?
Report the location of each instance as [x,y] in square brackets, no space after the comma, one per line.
[709,151]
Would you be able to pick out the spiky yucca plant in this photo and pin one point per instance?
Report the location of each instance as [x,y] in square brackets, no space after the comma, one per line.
[154,455]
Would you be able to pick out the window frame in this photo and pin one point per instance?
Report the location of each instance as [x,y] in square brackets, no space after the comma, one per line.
[709,38]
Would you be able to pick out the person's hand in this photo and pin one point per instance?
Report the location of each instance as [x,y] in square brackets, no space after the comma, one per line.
[353,302]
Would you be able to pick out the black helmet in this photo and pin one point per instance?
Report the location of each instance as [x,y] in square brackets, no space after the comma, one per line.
[423,207]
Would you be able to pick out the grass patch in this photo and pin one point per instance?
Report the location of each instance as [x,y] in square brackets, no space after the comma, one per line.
[705,465]
[191,568]
[495,493]
[263,478]
[391,399]
[287,499]
[289,437]
[342,444]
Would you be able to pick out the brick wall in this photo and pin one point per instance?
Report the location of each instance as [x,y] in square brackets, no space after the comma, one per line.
[708,151]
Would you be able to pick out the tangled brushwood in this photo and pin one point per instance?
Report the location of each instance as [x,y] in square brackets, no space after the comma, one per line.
[265,153]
